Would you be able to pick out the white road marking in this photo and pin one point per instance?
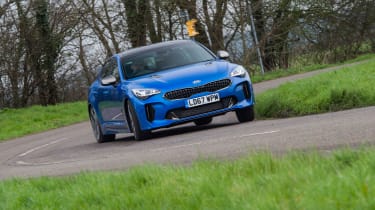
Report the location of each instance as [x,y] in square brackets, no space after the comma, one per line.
[177,146]
[261,133]
[218,140]
[20,162]
[40,147]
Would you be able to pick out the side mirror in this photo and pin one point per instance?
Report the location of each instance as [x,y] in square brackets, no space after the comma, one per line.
[222,54]
[109,80]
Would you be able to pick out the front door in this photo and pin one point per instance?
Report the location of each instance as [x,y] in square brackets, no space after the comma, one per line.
[110,102]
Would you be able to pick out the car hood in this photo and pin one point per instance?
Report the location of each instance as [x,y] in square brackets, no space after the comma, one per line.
[185,76]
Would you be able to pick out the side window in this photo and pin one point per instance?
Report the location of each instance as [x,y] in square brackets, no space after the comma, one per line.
[115,71]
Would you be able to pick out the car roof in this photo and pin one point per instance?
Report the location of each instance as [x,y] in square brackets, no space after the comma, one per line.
[137,50]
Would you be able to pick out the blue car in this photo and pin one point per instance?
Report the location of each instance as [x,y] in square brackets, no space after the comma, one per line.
[166,84]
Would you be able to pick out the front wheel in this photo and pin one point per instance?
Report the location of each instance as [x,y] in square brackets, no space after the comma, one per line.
[245,114]
[134,124]
[100,138]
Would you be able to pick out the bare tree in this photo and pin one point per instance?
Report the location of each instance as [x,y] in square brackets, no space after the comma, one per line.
[16,78]
[100,16]
[135,16]
[154,29]
[217,11]
[191,7]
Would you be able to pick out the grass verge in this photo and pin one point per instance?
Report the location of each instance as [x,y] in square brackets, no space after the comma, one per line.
[342,180]
[302,69]
[19,122]
[350,87]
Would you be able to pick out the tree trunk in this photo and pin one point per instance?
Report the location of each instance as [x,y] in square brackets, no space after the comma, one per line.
[154,33]
[215,26]
[191,7]
[135,17]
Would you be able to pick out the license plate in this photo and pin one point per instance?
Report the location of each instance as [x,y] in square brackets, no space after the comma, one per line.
[207,99]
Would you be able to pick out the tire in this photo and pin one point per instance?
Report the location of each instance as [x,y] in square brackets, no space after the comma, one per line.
[203,121]
[139,134]
[100,138]
[245,114]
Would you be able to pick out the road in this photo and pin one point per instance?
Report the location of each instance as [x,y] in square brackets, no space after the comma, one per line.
[72,149]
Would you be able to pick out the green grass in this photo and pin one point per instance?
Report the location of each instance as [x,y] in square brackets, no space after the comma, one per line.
[350,87]
[19,122]
[302,69]
[342,180]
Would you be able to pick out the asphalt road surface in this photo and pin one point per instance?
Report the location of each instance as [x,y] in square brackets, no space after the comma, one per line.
[73,149]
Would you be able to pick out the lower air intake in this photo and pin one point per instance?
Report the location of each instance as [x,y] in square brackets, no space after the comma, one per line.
[185,112]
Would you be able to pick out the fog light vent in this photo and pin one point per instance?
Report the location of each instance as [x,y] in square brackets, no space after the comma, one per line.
[150,112]
[246,90]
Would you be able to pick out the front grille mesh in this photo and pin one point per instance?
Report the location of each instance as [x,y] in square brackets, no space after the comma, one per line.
[187,92]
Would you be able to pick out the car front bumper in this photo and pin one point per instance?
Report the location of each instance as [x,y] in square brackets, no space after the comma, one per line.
[159,112]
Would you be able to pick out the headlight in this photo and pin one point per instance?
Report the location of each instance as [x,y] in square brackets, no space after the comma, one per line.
[239,71]
[145,93]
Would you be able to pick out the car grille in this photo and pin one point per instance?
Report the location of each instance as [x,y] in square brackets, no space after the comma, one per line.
[184,112]
[187,92]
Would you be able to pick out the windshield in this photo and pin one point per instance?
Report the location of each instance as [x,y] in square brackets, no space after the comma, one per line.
[166,57]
